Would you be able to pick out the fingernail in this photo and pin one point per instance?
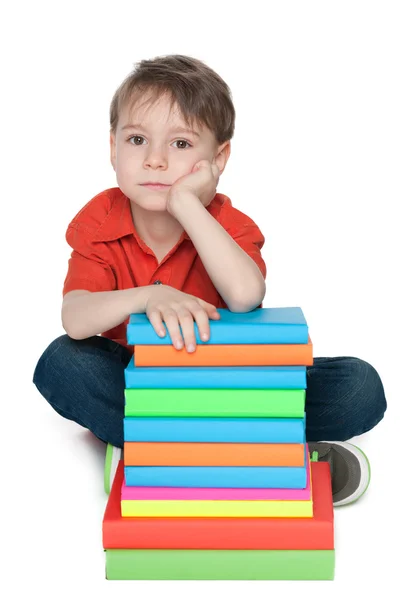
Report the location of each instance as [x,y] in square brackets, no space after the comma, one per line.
[205,336]
[190,348]
[178,345]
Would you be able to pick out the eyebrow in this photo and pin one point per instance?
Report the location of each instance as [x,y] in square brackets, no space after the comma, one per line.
[175,129]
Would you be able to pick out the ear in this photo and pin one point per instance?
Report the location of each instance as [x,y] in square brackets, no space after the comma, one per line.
[113,150]
[222,155]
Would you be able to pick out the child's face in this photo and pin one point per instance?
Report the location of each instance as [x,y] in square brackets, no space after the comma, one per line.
[156,151]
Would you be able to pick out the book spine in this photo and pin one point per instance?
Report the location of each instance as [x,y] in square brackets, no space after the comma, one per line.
[213,430]
[218,477]
[210,378]
[144,334]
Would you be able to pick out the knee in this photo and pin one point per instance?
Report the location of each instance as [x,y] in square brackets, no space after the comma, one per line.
[52,361]
[365,397]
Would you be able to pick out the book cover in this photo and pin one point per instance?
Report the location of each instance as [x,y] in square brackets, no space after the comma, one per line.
[214,377]
[281,325]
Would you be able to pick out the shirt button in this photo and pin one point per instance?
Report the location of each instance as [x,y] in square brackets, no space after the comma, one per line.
[157,282]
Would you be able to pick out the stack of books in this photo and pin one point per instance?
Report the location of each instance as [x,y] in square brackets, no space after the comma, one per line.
[216,480]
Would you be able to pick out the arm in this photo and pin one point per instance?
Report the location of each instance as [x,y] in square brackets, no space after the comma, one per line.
[85,313]
[234,273]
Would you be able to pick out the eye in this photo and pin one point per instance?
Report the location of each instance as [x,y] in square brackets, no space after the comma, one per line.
[136,137]
[139,140]
[185,142]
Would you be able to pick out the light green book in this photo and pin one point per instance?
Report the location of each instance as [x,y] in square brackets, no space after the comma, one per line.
[220,564]
[214,402]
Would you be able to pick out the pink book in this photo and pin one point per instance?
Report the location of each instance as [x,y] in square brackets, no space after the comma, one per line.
[182,493]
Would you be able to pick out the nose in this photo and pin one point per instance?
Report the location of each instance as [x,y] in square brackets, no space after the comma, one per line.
[156,158]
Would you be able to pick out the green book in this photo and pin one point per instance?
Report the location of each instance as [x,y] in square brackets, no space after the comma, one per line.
[220,564]
[214,402]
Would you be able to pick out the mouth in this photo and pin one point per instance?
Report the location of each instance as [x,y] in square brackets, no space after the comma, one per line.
[155,186]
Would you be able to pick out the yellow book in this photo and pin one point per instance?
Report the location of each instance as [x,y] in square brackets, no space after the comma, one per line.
[217,508]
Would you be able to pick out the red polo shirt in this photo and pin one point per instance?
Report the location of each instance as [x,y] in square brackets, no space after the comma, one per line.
[108,254]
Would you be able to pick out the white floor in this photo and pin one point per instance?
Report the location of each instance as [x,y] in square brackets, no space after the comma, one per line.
[56,541]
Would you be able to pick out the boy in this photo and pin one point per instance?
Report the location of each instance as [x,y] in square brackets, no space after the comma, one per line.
[166,244]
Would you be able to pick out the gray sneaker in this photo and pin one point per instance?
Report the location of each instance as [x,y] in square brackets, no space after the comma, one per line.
[350,469]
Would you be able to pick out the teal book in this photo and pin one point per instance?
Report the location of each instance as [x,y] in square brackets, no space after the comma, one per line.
[225,430]
[285,325]
[215,377]
[217,477]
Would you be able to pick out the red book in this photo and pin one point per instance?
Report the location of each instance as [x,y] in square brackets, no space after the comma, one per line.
[316,533]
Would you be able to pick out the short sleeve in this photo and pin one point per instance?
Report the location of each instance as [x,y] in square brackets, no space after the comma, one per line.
[87,268]
[251,240]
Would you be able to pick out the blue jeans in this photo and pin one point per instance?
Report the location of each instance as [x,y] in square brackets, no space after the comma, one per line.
[83,380]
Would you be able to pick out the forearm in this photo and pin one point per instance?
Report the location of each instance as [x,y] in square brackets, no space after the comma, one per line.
[235,275]
[91,313]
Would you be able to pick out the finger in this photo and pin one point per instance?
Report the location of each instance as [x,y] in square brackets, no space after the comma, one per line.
[201,164]
[215,170]
[171,321]
[211,310]
[187,326]
[216,173]
[202,322]
[155,319]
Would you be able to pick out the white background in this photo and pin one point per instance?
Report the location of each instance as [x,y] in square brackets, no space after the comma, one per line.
[315,162]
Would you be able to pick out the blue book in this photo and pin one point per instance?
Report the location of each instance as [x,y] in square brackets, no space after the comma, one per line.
[285,325]
[217,477]
[221,429]
[275,377]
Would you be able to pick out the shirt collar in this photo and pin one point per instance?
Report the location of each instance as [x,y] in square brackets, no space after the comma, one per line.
[119,222]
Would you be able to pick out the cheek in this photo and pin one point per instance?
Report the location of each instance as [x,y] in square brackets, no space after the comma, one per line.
[127,161]
[186,164]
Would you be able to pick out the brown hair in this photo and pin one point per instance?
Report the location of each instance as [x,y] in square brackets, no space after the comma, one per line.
[200,93]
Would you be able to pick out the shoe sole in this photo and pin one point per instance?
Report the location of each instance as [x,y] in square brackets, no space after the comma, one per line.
[365,475]
[113,455]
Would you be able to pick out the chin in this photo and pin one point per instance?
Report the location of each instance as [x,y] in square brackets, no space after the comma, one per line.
[153,202]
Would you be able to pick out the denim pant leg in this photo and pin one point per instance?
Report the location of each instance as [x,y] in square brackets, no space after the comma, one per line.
[83,380]
[344,398]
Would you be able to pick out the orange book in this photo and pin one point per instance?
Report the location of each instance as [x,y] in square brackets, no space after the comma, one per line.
[225,355]
[180,454]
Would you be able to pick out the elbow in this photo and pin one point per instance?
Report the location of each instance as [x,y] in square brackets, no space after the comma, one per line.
[70,333]
[243,301]
[73,335]
[238,307]
[69,329]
